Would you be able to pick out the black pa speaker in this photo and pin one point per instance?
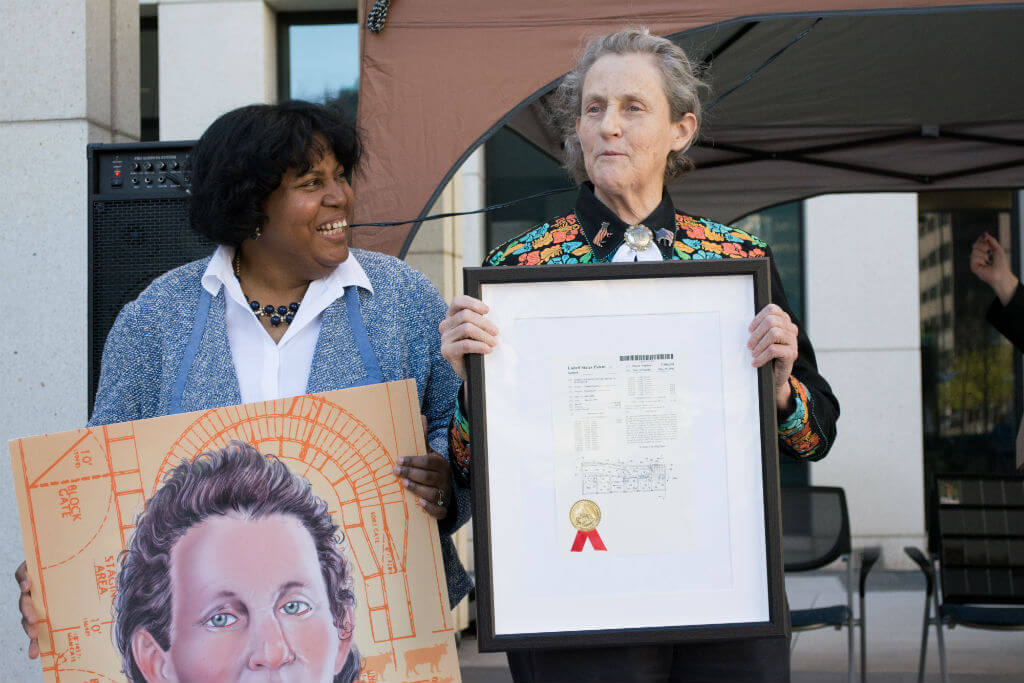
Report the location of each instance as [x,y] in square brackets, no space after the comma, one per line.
[138,229]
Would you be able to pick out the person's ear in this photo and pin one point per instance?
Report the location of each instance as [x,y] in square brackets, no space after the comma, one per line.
[684,130]
[345,633]
[153,661]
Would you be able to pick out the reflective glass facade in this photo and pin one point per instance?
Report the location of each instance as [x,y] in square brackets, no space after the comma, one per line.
[516,168]
[969,372]
[318,55]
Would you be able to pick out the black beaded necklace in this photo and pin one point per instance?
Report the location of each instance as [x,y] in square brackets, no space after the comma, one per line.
[278,315]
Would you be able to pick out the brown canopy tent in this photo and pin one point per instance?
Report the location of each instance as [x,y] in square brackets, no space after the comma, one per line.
[840,96]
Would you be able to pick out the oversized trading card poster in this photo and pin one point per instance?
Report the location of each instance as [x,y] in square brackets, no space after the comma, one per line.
[267,590]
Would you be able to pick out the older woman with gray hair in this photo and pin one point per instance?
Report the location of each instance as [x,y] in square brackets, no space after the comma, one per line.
[628,111]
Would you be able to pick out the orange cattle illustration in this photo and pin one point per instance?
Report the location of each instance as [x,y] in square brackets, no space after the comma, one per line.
[425,655]
[377,664]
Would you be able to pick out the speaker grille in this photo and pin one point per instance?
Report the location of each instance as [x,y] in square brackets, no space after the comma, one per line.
[132,240]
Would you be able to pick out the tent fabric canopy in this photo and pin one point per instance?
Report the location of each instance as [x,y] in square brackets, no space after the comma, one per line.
[874,100]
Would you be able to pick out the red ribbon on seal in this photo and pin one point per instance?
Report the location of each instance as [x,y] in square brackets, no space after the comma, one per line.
[581,540]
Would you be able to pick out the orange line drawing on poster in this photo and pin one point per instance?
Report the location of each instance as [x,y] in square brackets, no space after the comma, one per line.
[80,494]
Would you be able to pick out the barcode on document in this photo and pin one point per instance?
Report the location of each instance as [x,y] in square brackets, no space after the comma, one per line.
[648,356]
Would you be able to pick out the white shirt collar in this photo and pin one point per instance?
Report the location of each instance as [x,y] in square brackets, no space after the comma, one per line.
[319,295]
[220,272]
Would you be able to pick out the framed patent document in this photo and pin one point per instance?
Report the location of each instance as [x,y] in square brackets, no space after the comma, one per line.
[624,457]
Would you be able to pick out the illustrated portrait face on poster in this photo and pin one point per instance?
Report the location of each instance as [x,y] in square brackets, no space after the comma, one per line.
[269,541]
[235,573]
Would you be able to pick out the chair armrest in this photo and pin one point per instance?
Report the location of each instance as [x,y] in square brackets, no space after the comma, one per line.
[868,557]
[925,565]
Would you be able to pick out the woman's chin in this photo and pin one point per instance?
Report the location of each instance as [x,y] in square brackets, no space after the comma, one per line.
[328,259]
[337,257]
[610,185]
[333,245]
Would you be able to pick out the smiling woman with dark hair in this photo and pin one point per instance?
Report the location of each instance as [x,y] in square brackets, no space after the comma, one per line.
[245,154]
[283,307]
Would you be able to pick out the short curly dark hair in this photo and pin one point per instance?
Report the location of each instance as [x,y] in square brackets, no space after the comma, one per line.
[241,158]
[236,479]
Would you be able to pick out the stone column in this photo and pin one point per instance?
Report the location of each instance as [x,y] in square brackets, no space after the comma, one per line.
[69,74]
[863,317]
[214,57]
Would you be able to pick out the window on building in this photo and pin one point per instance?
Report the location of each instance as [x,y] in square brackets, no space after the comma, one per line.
[516,168]
[318,57]
[149,81]
[782,227]
[970,373]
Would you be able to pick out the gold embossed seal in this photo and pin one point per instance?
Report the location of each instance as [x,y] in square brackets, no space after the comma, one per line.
[585,515]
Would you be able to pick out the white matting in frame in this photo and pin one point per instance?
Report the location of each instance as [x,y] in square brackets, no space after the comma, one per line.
[637,394]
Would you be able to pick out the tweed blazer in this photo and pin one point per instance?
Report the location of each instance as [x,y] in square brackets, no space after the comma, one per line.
[147,342]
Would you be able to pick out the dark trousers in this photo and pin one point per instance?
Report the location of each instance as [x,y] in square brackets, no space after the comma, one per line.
[753,660]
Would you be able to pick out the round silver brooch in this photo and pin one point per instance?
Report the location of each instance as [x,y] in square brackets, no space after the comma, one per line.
[639,237]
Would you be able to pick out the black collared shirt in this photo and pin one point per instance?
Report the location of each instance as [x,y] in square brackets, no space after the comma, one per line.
[595,217]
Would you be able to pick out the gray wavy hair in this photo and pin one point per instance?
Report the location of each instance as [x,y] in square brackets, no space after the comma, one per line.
[681,83]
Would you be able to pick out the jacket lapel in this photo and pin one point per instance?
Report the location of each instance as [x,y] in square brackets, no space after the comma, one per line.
[212,381]
[336,360]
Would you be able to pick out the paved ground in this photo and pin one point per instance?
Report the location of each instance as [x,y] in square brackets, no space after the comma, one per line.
[895,605]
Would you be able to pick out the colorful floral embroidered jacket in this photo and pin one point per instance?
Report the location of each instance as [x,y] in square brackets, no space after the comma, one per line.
[592,234]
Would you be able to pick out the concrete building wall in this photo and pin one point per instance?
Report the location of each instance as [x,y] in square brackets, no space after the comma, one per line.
[214,56]
[861,262]
[69,76]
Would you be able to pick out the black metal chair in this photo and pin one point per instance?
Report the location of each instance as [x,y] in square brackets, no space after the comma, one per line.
[815,533]
[974,574]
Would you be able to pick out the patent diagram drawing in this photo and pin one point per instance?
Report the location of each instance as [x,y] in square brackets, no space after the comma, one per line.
[80,493]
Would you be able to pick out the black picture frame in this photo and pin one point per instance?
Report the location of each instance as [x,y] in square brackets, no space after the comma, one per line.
[777,624]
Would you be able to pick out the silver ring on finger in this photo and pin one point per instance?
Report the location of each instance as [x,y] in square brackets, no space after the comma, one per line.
[440,499]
